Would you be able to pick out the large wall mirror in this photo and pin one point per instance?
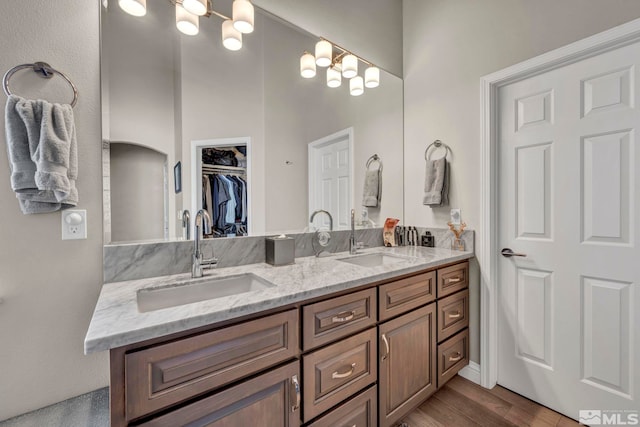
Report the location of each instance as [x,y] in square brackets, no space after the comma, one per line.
[287,145]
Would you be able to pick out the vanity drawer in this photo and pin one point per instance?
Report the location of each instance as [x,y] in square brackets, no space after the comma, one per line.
[453,279]
[334,373]
[361,411]
[453,355]
[169,373]
[404,295]
[453,314]
[270,399]
[333,319]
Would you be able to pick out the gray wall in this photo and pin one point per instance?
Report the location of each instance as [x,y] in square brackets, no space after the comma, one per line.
[49,286]
[448,46]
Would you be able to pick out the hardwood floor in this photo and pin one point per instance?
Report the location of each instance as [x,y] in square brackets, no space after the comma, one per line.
[463,403]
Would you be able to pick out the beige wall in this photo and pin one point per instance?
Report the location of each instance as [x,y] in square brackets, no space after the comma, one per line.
[49,286]
[448,46]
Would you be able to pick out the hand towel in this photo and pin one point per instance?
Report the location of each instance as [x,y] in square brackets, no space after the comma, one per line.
[435,182]
[42,151]
[23,168]
[53,147]
[372,188]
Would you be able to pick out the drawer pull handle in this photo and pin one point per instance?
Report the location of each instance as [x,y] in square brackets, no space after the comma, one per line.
[337,375]
[454,315]
[296,387]
[454,280]
[455,358]
[386,344]
[343,317]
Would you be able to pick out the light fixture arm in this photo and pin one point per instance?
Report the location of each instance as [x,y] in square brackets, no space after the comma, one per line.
[345,52]
[210,10]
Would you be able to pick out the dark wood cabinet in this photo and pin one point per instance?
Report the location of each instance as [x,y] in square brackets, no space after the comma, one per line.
[334,373]
[407,363]
[271,399]
[361,411]
[166,374]
[363,359]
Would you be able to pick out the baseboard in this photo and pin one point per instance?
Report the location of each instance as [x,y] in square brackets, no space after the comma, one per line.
[471,372]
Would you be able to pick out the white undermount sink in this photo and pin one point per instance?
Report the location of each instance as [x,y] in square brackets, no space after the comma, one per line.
[188,292]
[375,259]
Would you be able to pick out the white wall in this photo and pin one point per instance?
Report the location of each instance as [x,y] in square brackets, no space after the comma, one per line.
[49,286]
[448,46]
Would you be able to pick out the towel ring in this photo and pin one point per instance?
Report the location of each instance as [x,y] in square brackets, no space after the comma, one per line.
[437,144]
[45,71]
[374,158]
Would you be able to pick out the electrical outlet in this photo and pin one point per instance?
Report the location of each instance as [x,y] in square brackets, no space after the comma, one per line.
[74,224]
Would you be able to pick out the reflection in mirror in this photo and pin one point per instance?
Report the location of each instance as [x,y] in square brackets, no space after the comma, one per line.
[167,93]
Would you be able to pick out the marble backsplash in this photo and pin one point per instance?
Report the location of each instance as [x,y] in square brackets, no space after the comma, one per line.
[142,260]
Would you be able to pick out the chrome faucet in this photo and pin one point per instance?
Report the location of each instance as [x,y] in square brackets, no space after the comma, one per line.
[313,215]
[186,224]
[198,262]
[353,246]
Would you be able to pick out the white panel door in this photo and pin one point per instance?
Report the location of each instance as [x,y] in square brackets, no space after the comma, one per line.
[569,312]
[330,179]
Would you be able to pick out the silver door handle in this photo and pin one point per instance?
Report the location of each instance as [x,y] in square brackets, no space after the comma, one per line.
[338,375]
[508,253]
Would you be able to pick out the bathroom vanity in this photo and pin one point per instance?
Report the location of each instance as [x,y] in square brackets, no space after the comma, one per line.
[345,340]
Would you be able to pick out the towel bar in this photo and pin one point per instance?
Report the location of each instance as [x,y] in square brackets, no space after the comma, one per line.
[45,71]
[374,158]
[437,144]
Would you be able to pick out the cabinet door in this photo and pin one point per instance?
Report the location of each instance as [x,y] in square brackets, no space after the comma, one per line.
[271,399]
[407,363]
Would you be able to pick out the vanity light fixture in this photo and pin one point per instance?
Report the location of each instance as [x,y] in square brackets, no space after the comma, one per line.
[195,7]
[231,37]
[372,77]
[307,65]
[349,66]
[134,7]
[188,13]
[341,63]
[356,86]
[324,53]
[334,76]
[186,22]
[243,16]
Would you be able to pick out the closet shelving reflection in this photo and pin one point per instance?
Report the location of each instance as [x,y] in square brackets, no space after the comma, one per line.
[228,211]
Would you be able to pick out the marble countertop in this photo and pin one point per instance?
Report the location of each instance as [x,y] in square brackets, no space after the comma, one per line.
[117,322]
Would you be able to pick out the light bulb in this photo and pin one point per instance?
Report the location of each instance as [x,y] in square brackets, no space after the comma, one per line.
[372,77]
[243,16]
[186,22]
[196,7]
[334,76]
[307,66]
[134,7]
[231,37]
[356,86]
[324,52]
[349,66]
